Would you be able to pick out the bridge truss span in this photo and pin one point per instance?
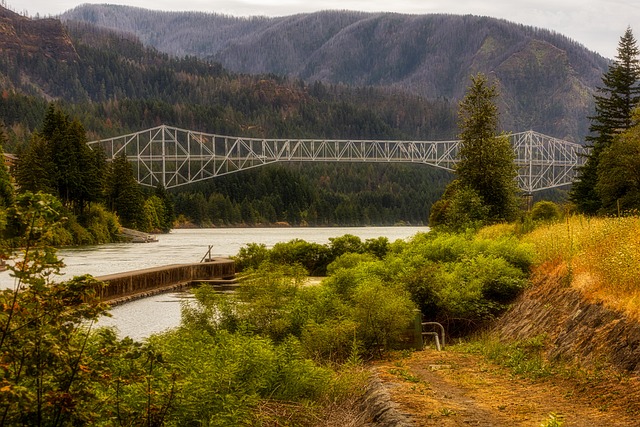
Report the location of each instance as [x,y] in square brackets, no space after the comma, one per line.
[174,157]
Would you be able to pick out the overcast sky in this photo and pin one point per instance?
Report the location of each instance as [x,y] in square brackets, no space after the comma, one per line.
[597,24]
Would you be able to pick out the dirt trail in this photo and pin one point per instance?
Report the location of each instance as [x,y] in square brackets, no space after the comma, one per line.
[451,388]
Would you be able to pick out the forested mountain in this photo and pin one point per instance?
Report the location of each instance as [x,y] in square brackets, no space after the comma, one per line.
[113,85]
[546,80]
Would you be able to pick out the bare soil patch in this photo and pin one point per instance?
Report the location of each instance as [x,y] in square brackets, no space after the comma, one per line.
[453,388]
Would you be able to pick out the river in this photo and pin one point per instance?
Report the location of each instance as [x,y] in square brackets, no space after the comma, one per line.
[141,318]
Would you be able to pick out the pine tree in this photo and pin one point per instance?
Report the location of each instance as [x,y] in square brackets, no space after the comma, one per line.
[35,168]
[613,115]
[6,187]
[124,195]
[486,172]
[486,157]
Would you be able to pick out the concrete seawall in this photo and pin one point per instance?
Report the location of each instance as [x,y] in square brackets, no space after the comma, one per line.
[141,283]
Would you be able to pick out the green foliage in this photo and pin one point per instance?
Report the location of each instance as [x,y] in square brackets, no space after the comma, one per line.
[463,209]
[251,256]
[486,158]
[123,194]
[309,194]
[57,371]
[314,257]
[349,260]
[545,211]
[332,340]
[58,161]
[462,280]
[102,224]
[618,186]
[6,188]
[619,97]
[224,376]
[383,313]
[525,358]
[485,190]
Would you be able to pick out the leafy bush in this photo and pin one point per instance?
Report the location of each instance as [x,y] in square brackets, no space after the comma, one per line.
[251,256]
[545,211]
[224,376]
[382,312]
[333,340]
[313,256]
[349,260]
[102,224]
[462,279]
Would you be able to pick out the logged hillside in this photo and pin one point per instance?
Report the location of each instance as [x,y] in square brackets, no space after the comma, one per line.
[546,80]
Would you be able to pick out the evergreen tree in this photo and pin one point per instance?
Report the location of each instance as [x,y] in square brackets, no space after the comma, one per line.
[6,187]
[168,211]
[618,183]
[34,171]
[124,195]
[614,114]
[486,171]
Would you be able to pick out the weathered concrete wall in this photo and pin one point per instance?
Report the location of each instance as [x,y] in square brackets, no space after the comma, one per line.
[151,280]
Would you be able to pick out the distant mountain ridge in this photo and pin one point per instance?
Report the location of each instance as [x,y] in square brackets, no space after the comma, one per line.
[546,80]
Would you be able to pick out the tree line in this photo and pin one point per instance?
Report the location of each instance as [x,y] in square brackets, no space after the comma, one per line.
[58,161]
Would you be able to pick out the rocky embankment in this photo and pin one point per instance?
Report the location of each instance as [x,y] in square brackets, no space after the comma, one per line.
[577,329]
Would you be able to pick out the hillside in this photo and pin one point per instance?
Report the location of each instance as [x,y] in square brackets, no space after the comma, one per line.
[26,37]
[116,86]
[546,80]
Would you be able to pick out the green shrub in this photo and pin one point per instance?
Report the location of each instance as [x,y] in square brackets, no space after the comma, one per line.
[102,224]
[349,260]
[251,256]
[383,314]
[345,244]
[313,256]
[545,211]
[332,340]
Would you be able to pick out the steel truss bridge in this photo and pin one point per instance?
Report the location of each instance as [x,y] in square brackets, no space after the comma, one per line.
[173,157]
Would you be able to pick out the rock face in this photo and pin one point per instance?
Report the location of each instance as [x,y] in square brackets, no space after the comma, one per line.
[578,329]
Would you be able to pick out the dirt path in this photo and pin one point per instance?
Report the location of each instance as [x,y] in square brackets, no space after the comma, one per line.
[452,388]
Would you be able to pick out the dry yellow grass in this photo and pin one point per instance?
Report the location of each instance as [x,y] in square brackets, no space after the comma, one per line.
[602,255]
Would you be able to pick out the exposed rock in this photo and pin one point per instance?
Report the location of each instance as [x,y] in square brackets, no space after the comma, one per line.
[380,410]
[578,329]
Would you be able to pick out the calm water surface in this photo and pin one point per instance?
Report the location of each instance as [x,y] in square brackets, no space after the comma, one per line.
[141,318]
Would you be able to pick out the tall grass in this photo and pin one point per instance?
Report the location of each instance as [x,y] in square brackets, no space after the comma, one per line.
[602,255]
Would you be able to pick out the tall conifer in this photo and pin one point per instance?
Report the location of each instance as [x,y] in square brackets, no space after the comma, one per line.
[485,189]
[614,106]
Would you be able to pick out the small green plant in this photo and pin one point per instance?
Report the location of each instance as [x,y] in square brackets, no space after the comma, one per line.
[405,375]
[446,412]
[524,357]
[554,420]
